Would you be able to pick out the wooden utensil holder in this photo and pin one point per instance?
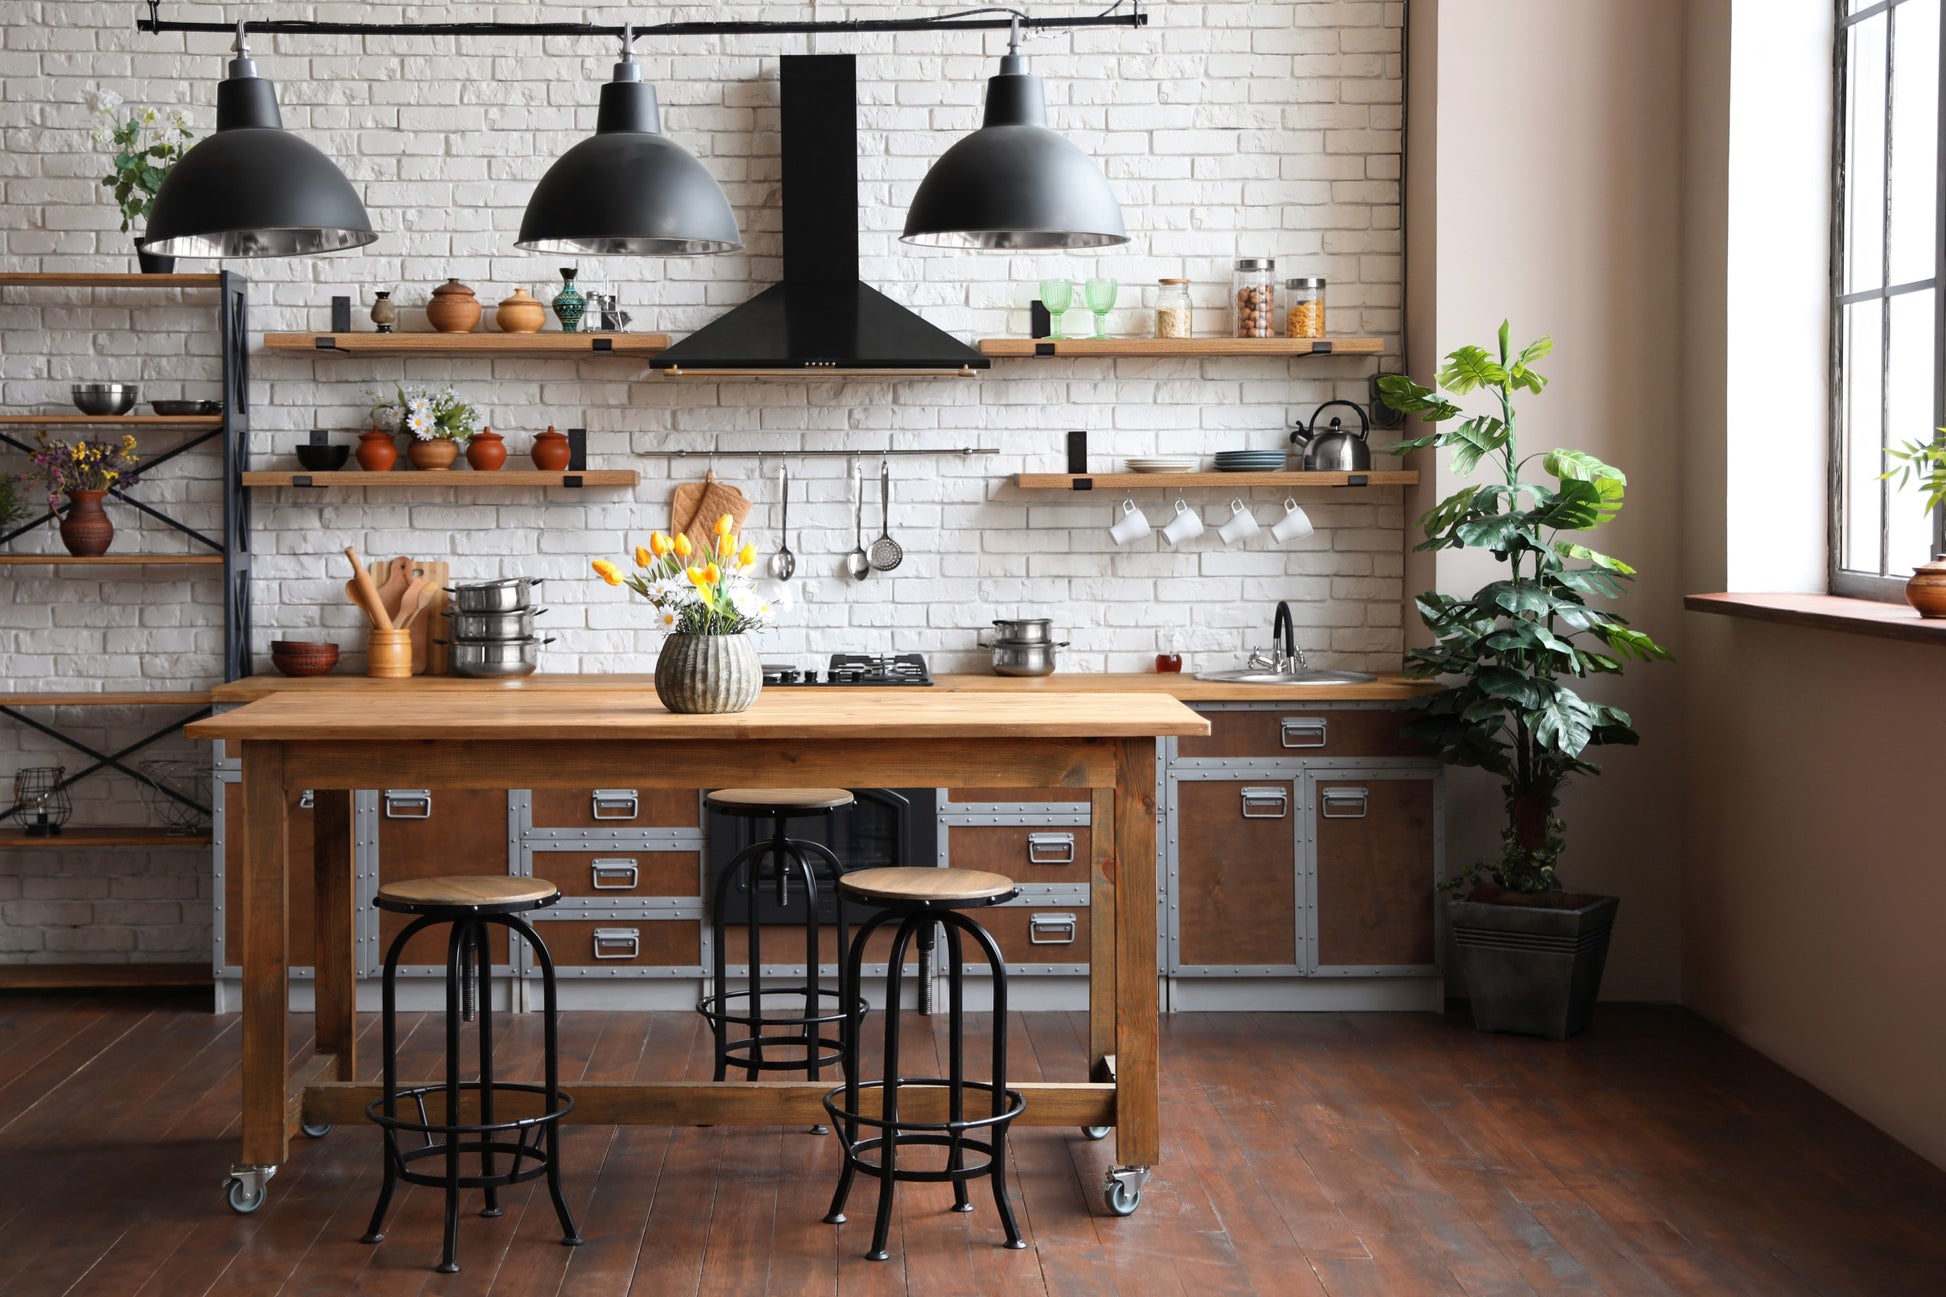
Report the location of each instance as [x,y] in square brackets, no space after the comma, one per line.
[388,654]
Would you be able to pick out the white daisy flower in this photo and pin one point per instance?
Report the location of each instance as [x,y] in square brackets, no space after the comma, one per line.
[419,424]
[102,101]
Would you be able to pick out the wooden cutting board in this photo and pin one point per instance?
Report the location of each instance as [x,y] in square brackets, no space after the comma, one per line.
[428,658]
[695,506]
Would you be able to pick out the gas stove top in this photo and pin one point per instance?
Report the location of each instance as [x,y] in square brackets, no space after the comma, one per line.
[876,670]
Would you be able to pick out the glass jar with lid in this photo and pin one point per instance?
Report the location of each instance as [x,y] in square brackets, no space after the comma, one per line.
[1172,308]
[1256,297]
[1304,307]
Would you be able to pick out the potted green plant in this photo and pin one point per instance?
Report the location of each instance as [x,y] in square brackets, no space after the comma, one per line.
[146,144]
[1531,953]
[13,505]
[1924,463]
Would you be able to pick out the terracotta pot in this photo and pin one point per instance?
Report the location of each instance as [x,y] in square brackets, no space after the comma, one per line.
[487,451]
[551,451]
[708,673]
[377,452]
[453,308]
[1926,591]
[521,313]
[433,456]
[86,528]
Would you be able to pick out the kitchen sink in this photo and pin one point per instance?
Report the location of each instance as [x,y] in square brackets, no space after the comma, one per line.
[1262,677]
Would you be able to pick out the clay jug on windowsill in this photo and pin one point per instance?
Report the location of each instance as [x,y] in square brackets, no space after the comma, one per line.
[1926,591]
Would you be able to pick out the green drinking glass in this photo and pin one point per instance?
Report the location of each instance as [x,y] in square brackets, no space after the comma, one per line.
[1100,295]
[1056,295]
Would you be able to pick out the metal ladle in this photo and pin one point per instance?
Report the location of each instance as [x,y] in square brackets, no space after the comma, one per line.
[886,553]
[857,562]
[783,562]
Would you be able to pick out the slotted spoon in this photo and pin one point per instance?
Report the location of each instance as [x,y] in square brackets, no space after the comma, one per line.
[783,562]
[886,553]
[858,563]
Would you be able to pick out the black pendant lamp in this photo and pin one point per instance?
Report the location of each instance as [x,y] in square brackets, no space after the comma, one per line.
[1014,184]
[252,189]
[628,188]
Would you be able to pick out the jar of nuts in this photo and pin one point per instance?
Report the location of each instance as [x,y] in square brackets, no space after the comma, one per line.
[1256,297]
[1304,308]
[1172,309]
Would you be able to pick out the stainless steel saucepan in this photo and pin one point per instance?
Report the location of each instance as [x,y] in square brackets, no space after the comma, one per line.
[509,594]
[518,624]
[495,658]
[1023,657]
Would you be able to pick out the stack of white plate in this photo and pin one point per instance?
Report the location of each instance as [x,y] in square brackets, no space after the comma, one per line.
[1249,461]
[1163,464]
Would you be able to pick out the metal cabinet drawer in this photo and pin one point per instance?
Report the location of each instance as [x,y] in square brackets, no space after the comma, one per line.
[621,873]
[1288,732]
[1015,795]
[617,807]
[1033,935]
[584,947]
[1026,854]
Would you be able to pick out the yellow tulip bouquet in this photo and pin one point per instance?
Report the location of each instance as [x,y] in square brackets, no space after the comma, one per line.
[697,593]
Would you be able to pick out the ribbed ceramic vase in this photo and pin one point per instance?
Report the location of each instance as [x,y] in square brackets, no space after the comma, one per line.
[87,531]
[708,673]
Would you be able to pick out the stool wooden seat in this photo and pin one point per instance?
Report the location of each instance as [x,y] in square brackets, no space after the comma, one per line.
[769,801]
[942,887]
[476,894]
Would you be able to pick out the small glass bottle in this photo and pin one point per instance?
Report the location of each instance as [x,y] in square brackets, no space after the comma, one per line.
[1256,297]
[1168,658]
[1304,308]
[1172,308]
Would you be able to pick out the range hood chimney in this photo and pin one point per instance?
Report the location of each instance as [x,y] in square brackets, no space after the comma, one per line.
[821,318]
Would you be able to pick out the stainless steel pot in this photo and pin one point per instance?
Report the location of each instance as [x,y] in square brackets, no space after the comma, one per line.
[1029,630]
[518,624]
[495,658]
[1023,657]
[510,594]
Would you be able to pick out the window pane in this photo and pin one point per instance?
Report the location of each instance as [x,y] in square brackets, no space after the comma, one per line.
[1858,417]
[1909,398]
[1865,155]
[1915,140]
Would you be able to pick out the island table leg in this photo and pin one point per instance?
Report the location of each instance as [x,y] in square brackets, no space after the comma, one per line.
[1138,1102]
[337,942]
[266,971]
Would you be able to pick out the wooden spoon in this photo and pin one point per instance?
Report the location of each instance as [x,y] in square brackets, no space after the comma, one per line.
[412,602]
[364,593]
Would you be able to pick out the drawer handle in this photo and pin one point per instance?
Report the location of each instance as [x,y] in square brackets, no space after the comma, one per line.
[308,801]
[617,943]
[408,803]
[1052,930]
[1345,803]
[616,875]
[1301,731]
[615,804]
[1050,848]
[1277,799]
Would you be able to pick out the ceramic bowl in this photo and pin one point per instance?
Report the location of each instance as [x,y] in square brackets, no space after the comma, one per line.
[303,657]
[323,459]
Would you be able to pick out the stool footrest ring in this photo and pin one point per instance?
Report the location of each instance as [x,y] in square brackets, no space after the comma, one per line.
[834,1105]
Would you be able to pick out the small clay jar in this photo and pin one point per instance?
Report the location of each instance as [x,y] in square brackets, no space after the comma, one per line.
[435,456]
[1926,591]
[453,308]
[377,452]
[487,451]
[521,313]
[551,451]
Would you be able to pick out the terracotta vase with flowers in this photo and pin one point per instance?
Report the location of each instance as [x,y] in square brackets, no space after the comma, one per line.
[439,421]
[84,472]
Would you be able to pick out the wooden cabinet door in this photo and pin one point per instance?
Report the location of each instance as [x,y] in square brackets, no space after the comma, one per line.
[1376,847]
[1235,895]
[1298,733]
[439,835]
[302,870]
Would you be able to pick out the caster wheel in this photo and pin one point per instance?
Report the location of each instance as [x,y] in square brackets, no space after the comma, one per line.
[1096,1132]
[316,1132]
[1122,1200]
[243,1201]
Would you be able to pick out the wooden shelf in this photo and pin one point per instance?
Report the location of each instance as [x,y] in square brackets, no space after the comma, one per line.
[1171,481]
[1869,617]
[189,422]
[1181,347]
[112,560]
[75,836]
[159,698]
[470,344]
[114,279]
[60,977]
[463,479]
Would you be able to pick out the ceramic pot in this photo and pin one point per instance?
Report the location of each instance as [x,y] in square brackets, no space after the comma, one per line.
[153,263]
[435,456]
[521,313]
[487,451]
[384,313]
[551,451]
[1926,591]
[377,452]
[708,673]
[85,528]
[569,304]
[453,308]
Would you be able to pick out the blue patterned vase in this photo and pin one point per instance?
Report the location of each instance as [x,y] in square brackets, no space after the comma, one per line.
[569,303]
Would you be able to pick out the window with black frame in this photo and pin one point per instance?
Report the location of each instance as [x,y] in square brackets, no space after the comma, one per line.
[1888,314]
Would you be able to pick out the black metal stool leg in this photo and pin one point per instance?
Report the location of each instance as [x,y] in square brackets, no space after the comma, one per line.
[455,954]
[389,1078]
[550,1048]
[956,1060]
[755,980]
[1000,1101]
[483,984]
[888,1162]
[720,965]
[850,979]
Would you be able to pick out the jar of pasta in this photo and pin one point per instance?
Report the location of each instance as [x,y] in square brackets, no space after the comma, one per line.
[1172,309]
[1256,297]
[1304,308]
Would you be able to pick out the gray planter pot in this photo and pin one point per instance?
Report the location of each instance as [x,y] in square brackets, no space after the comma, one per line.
[708,673]
[1529,970]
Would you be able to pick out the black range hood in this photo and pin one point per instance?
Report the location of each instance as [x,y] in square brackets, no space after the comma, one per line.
[820,318]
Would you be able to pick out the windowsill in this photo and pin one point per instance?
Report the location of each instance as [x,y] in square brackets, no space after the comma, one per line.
[1826,612]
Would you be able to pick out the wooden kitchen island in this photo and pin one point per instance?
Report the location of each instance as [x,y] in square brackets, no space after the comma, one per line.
[539,739]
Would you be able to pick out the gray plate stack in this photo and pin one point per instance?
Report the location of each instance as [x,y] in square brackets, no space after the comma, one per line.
[492,624]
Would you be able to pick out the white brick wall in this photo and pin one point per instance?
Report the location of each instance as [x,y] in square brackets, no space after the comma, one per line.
[1226,128]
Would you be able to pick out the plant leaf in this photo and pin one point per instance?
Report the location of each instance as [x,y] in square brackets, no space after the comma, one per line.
[1470,368]
[1474,439]
[1579,466]
[1630,643]
[1564,721]
[1568,549]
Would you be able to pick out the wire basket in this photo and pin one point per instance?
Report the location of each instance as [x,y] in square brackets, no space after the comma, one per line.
[41,801]
[165,782]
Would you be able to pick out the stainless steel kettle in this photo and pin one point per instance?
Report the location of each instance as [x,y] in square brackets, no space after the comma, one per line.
[1334,450]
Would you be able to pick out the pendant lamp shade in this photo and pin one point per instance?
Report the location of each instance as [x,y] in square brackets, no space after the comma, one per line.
[1014,184]
[628,188]
[252,189]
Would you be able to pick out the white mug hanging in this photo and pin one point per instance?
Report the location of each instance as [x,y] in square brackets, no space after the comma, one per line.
[1241,526]
[1187,525]
[1294,524]
[1132,526]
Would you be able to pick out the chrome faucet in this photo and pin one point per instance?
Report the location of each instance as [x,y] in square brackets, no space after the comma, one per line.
[1283,655]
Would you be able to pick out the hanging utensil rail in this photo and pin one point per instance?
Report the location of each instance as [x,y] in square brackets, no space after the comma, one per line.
[965,451]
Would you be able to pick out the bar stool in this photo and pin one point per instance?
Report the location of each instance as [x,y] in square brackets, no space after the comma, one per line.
[776,860]
[919,899]
[469,905]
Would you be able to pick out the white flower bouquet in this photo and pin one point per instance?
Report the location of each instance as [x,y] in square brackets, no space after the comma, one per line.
[147,143]
[427,414]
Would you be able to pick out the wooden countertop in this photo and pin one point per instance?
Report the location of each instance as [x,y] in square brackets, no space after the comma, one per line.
[1184,687]
[611,714]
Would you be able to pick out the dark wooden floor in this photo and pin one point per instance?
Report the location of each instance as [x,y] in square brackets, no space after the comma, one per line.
[1316,1154]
